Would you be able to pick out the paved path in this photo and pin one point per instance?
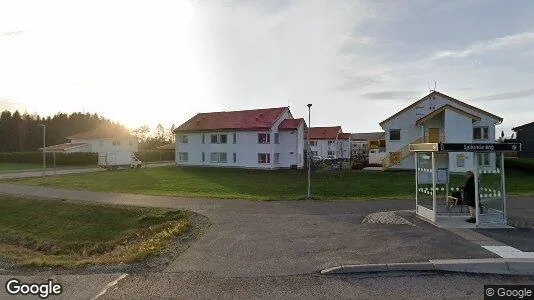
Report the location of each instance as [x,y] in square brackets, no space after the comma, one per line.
[289,237]
[64,171]
[275,249]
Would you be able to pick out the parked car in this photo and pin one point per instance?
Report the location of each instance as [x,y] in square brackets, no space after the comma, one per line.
[330,159]
[317,159]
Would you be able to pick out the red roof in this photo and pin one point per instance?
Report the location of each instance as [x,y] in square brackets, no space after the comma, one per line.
[62,147]
[102,133]
[290,124]
[257,119]
[324,133]
[344,136]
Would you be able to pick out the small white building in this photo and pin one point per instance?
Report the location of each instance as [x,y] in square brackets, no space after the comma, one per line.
[262,138]
[438,118]
[98,140]
[329,141]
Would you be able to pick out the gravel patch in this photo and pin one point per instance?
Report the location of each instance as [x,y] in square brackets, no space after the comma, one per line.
[386,217]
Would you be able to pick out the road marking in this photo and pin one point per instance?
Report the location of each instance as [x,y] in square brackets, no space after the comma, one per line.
[509,252]
[109,285]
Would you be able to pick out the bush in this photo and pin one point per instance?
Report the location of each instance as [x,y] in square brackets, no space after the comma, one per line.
[521,164]
[155,155]
[62,159]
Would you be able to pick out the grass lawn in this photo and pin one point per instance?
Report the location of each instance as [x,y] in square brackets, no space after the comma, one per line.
[255,184]
[8,167]
[61,233]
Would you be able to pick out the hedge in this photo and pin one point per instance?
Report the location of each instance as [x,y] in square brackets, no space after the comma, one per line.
[522,164]
[78,159]
[62,159]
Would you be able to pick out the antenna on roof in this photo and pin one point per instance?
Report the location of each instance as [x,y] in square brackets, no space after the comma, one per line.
[429,89]
[435,85]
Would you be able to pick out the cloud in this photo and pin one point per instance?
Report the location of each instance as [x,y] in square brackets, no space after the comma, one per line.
[390,95]
[491,45]
[352,82]
[12,33]
[506,96]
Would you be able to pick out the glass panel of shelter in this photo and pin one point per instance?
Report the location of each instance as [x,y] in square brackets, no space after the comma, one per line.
[491,189]
[425,203]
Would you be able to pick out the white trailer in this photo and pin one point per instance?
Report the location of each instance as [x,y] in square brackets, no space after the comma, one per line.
[118,159]
[376,156]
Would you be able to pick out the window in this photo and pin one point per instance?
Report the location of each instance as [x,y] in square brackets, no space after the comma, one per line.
[203,157]
[101,142]
[183,139]
[394,135]
[235,157]
[330,152]
[264,158]
[264,138]
[330,142]
[234,138]
[219,138]
[276,138]
[483,159]
[183,156]
[218,157]
[202,138]
[116,143]
[277,158]
[314,153]
[313,143]
[480,133]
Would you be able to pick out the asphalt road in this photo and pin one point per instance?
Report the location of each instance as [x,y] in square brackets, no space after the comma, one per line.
[276,249]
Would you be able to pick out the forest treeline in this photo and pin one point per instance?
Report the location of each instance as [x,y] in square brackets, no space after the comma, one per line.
[23,133]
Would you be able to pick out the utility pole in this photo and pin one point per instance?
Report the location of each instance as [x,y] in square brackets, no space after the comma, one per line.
[308,152]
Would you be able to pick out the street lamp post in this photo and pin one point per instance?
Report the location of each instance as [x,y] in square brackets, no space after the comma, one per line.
[44,149]
[309,151]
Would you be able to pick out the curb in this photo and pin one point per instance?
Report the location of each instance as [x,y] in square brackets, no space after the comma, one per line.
[503,266]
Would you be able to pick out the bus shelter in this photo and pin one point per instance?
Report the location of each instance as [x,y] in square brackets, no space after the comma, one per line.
[440,175]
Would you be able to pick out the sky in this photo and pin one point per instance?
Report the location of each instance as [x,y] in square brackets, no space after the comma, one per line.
[356,62]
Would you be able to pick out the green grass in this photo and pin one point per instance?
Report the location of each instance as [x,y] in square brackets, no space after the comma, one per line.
[256,184]
[7,167]
[62,233]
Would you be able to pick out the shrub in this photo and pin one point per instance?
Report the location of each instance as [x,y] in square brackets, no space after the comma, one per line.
[62,159]
[521,164]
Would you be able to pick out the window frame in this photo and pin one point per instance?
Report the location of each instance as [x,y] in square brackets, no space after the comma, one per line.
[390,134]
[234,157]
[180,156]
[483,129]
[116,142]
[267,138]
[265,161]
[219,156]
[184,139]
[234,138]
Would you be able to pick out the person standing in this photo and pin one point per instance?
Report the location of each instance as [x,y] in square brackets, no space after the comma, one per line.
[469,196]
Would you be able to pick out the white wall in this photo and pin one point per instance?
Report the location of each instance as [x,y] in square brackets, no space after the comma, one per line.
[106,145]
[460,129]
[290,148]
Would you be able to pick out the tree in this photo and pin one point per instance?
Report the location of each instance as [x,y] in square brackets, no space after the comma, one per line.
[141,133]
[160,133]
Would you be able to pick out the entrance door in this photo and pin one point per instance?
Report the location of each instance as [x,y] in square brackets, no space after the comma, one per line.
[433,135]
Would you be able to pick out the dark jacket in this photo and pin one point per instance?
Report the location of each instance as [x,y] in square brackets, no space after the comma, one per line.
[469,192]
